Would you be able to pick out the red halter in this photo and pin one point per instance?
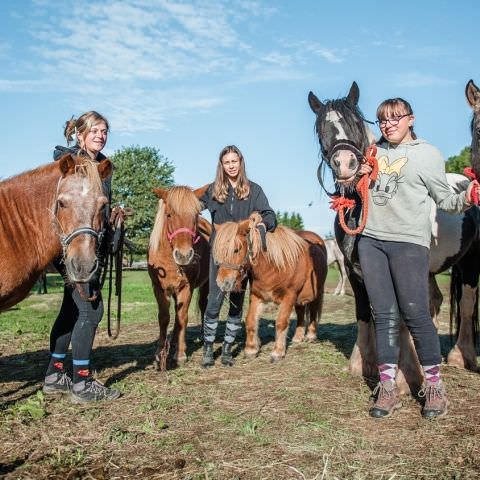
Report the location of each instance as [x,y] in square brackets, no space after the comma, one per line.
[195,236]
[340,203]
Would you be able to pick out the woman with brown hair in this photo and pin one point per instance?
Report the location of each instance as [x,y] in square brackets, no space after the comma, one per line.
[232,197]
[79,317]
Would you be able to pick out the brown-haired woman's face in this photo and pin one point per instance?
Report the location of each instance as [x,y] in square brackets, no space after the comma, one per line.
[231,165]
[95,140]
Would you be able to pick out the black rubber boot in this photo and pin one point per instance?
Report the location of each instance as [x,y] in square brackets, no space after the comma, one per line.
[208,360]
[227,358]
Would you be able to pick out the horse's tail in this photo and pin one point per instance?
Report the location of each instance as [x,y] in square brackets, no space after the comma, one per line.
[456,291]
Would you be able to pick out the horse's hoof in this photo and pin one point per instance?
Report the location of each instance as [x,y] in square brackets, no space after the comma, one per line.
[311,338]
[275,358]
[297,339]
[250,355]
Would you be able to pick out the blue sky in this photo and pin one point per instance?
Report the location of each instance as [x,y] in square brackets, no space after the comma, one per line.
[191,77]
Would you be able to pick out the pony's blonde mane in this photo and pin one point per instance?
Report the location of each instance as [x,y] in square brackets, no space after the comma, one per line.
[284,246]
[182,201]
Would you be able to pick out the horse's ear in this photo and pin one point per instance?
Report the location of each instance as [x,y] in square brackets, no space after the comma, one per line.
[105,168]
[315,104]
[200,192]
[472,92]
[160,192]
[66,164]
[244,227]
[353,94]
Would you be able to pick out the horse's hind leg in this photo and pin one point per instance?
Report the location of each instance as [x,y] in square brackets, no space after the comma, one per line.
[300,328]
[436,299]
[252,343]
[314,310]
[464,293]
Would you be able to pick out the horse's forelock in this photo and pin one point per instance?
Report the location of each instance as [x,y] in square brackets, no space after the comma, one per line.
[89,170]
[226,241]
[182,201]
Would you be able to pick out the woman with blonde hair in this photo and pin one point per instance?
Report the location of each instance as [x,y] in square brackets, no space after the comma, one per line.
[79,317]
[232,197]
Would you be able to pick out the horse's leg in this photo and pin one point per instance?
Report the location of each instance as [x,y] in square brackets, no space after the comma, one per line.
[281,328]
[314,310]
[252,343]
[182,302]
[340,289]
[465,291]
[163,303]
[202,302]
[436,299]
[363,360]
[300,328]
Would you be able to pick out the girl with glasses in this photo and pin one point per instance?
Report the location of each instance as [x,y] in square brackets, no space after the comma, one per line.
[394,252]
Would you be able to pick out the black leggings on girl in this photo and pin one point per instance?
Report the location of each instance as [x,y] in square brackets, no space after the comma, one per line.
[396,279]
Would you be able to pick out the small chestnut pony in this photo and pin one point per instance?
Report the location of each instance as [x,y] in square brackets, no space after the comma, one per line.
[291,272]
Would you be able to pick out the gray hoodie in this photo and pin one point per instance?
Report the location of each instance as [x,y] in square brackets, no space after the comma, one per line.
[399,201]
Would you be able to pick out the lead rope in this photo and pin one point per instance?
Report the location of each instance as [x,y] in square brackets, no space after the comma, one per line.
[340,203]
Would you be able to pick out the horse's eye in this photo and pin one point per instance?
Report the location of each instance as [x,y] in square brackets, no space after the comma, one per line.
[236,250]
[60,204]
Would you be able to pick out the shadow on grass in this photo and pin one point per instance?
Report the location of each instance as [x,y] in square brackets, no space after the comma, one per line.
[30,367]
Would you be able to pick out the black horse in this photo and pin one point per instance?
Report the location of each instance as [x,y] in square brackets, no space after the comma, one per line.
[465,274]
[344,138]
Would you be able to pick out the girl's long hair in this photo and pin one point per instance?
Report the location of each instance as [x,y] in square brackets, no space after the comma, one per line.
[78,127]
[221,184]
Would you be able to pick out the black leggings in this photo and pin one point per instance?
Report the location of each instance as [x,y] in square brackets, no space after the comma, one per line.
[396,279]
[215,301]
[77,323]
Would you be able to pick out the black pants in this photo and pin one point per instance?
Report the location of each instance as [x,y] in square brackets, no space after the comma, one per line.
[215,301]
[76,322]
[396,279]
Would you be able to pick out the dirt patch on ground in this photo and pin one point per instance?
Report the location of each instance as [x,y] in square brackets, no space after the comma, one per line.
[303,418]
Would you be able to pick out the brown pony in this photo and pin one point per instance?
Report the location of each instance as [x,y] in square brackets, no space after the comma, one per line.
[291,272]
[178,262]
[54,209]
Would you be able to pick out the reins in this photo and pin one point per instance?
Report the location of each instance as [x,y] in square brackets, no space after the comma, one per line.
[340,203]
[115,256]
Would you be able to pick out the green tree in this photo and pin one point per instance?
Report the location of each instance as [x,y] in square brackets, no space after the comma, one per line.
[137,171]
[457,163]
[293,220]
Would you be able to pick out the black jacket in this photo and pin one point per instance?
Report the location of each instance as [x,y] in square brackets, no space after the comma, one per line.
[236,210]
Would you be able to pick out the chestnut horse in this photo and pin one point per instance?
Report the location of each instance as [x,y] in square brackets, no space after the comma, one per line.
[178,262]
[291,272]
[343,137]
[54,209]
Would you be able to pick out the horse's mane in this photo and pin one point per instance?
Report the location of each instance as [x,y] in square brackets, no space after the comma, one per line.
[181,201]
[89,170]
[284,246]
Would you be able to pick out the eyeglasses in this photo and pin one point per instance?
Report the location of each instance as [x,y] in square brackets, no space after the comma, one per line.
[392,121]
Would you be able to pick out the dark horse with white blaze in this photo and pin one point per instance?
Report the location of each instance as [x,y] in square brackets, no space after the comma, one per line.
[465,274]
[344,138]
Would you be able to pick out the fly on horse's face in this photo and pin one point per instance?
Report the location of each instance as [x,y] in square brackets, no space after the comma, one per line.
[342,135]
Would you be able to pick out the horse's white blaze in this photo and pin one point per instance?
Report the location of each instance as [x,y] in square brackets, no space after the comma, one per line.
[85,187]
[335,118]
